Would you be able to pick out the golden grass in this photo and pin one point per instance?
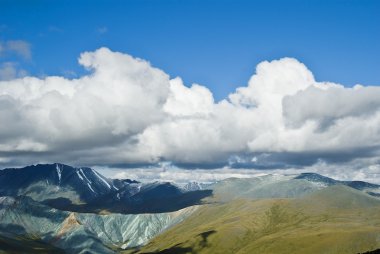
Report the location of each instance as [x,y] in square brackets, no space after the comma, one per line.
[319,223]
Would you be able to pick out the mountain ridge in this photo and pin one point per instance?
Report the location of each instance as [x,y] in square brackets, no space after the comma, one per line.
[81,211]
[82,189]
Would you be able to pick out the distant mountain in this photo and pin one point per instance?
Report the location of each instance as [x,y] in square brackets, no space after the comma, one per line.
[155,197]
[267,186]
[49,181]
[313,177]
[281,186]
[85,190]
[369,188]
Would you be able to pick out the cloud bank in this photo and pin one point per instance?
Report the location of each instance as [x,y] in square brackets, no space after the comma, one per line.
[126,112]
[166,172]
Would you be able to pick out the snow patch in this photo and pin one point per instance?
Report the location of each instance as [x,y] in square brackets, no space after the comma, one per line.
[81,171]
[59,173]
[102,179]
[7,200]
[81,177]
[89,186]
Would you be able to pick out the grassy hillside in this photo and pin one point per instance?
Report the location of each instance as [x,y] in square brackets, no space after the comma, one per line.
[337,219]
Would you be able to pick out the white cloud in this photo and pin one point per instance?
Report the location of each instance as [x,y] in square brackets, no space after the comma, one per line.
[19,47]
[126,111]
[165,172]
[120,98]
[9,70]
[183,101]
[102,30]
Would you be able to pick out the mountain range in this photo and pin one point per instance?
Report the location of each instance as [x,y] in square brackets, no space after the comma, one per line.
[56,208]
[85,190]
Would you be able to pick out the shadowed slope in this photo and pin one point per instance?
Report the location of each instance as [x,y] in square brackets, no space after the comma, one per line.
[18,244]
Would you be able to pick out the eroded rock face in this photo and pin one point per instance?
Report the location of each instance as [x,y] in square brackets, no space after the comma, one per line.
[77,232]
[68,224]
[132,230]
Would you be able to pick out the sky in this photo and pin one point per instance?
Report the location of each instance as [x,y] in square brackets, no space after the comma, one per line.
[264,85]
[213,43]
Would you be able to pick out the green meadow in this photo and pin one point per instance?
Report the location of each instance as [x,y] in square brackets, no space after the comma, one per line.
[337,219]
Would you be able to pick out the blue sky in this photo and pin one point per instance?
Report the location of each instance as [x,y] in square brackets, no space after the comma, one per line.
[214,43]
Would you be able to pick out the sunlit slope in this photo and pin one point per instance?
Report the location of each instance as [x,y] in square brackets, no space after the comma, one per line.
[269,186]
[337,219]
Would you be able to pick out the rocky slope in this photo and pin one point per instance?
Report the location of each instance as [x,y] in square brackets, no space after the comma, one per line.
[81,232]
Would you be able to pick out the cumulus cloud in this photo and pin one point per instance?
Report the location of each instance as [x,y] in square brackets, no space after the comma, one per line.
[58,116]
[126,111]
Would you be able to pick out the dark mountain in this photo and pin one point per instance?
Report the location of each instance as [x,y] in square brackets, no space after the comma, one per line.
[129,181]
[50,181]
[150,198]
[369,188]
[313,177]
[85,190]
[360,185]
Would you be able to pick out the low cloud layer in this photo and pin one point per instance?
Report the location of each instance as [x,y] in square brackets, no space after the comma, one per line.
[165,172]
[127,112]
